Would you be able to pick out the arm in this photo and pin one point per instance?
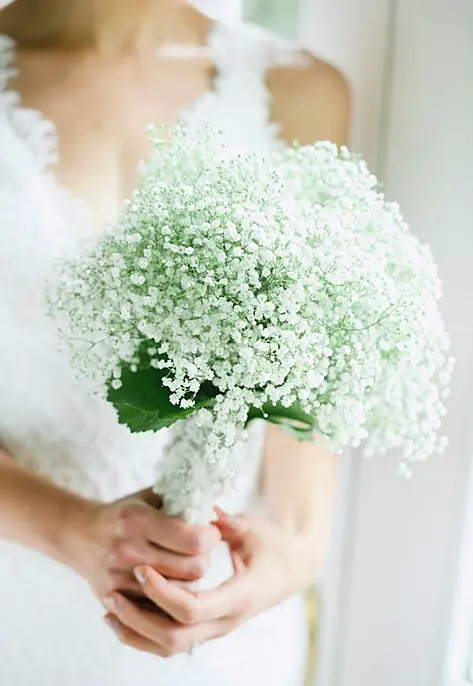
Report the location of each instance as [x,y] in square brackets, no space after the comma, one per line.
[299,484]
[36,513]
[311,101]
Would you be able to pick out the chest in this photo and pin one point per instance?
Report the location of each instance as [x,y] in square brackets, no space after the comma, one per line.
[100,113]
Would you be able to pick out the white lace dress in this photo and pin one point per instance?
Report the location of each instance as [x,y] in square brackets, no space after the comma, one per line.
[51,628]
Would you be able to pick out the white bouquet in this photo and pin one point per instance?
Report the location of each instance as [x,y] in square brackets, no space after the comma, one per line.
[286,289]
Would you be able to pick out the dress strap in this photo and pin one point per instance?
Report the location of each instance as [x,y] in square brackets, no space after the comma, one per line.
[242,54]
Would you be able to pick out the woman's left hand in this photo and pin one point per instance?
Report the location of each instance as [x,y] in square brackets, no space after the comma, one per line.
[270,565]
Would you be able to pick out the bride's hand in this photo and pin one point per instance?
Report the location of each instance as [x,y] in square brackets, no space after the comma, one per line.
[270,565]
[111,539]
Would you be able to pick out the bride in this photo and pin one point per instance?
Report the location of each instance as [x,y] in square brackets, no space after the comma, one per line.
[82,538]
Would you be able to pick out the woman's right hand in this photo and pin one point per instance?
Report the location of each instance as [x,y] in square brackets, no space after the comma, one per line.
[107,541]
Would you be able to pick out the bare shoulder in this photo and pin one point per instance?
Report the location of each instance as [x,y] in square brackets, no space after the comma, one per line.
[310,100]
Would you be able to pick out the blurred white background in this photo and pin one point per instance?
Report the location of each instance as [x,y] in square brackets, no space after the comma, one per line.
[396,599]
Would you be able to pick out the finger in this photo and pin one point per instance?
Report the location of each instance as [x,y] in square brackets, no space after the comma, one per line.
[231,599]
[154,627]
[237,561]
[139,521]
[176,640]
[123,581]
[132,639]
[137,596]
[128,554]
[128,586]
[175,535]
[231,528]
[182,567]
[177,601]
[238,523]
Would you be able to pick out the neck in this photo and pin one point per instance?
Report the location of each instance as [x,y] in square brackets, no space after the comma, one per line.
[110,27]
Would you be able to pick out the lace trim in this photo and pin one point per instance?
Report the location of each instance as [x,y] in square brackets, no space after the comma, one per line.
[242,54]
[38,133]
[245,65]
[40,138]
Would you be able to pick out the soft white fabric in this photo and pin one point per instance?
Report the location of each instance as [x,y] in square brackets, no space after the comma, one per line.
[51,633]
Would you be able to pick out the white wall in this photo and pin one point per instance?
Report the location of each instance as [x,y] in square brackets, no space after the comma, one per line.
[352,35]
[400,548]
[406,534]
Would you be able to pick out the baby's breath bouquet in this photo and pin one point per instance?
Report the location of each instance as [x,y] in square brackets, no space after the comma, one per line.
[286,289]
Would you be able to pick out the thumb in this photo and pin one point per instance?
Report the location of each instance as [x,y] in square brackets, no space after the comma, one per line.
[232,527]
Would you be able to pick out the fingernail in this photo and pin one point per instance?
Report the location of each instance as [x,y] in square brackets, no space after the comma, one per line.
[111,604]
[140,575]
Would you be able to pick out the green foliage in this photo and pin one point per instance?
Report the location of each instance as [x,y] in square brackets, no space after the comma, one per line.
[300,424]
[277,15]
[142,401]
[143,404]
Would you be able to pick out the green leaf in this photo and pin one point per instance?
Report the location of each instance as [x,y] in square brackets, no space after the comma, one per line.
[143,404]
[300,424]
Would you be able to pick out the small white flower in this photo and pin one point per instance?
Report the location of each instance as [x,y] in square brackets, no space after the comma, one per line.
[288,282]
[137,279]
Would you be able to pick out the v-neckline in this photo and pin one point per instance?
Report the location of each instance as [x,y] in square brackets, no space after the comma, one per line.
[42,135]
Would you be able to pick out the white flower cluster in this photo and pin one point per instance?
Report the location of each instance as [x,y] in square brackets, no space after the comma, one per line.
[288,282]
